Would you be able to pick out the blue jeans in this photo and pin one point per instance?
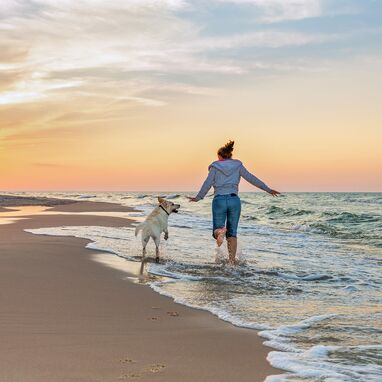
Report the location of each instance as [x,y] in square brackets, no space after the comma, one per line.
[226,209]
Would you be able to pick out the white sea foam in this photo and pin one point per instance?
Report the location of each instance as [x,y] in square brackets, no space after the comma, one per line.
[286,330]
[222,255]
[222,314]
[93,245]
[158,270]
[279,338]
[277,378]
[301,227]
[316,363]
[311,277]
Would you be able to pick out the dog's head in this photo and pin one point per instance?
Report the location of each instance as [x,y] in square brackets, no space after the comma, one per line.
[168,206]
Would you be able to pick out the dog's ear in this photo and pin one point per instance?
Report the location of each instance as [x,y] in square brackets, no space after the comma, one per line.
[160,200]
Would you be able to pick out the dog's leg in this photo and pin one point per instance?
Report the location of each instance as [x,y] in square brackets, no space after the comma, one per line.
[166,235]
[144,244]
[142,266]
[156,240]
[145,240]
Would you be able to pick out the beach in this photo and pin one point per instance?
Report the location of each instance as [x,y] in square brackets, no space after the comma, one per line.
[261,118]
[66,317]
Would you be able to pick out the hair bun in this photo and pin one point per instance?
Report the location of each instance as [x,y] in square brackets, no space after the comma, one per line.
[229,146]
[226,151]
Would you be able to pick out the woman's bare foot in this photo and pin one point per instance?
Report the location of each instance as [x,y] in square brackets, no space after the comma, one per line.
[219,235]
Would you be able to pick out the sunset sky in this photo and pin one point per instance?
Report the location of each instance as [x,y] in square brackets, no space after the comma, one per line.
[139,94]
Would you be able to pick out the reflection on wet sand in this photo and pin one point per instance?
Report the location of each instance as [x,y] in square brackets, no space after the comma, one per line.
[137,271]
[9,215]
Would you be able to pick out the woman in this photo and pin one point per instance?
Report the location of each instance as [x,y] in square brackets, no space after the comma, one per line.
[224,175]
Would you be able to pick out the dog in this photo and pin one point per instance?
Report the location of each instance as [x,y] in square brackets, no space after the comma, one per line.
[155,224]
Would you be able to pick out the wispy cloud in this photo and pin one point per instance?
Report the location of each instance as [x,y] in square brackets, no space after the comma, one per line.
[270,39]
[103,43]
[271,11]
[95,60]
[71,35]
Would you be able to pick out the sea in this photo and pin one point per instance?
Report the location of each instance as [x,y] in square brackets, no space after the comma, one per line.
[309,279]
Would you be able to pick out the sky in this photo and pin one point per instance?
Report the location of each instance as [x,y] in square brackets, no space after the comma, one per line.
[140,94]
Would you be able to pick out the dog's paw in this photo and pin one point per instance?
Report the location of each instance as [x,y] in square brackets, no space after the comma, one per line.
[166,236]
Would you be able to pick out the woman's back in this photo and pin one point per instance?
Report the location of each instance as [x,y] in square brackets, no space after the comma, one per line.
[227,175]
[224,176]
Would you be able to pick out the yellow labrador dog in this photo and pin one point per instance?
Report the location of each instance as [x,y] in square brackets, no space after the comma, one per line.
[155,224]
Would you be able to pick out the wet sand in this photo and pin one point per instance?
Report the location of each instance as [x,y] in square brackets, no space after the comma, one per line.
[66,317]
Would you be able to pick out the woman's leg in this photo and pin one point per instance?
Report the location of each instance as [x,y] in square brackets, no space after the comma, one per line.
[219,216]
[233,217]
[232,249]
[219,235]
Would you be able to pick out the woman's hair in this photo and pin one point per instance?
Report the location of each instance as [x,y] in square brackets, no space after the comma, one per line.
[226,151]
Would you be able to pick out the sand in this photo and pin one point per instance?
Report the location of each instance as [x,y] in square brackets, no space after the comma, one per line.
[66,317]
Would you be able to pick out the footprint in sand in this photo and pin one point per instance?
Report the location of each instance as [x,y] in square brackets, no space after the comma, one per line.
[153,318]
[153,369]
[135,375]
[130,376]
[156,368]
[127,360]
[173,314]
[127,363]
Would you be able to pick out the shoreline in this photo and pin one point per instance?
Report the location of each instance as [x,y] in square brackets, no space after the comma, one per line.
[101,327]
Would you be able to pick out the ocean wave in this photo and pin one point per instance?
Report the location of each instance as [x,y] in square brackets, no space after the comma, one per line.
[328,229]
[250,217]
[345,232]
[309,277]
[279,211]
[321,362]
[246,202]
[350,217]
[287,330]
[173,196]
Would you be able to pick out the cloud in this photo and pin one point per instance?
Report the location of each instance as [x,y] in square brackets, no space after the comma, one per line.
[272,11]
[8,78]
[59,36]
[32,90]
[270,39]
[11,54]
[73,63]
[101,44]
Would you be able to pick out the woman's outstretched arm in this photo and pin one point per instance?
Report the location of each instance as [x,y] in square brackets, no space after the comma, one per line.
[206,185]
[256,181]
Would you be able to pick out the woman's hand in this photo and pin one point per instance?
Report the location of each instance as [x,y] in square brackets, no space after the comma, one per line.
[191,199]
[274,193]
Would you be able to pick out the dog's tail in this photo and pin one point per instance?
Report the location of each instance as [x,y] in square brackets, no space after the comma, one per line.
[138,228]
